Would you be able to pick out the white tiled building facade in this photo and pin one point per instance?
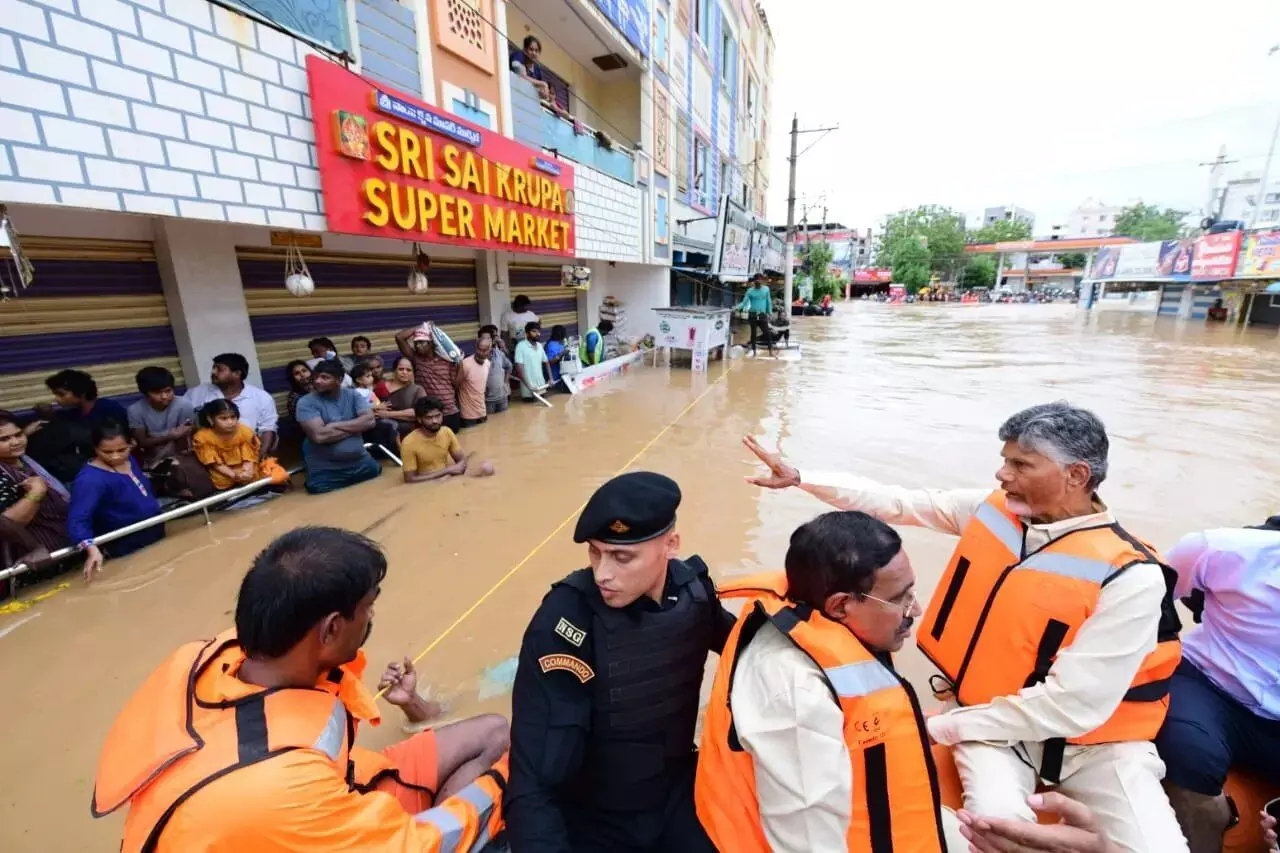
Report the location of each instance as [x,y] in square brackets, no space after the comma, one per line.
[169,107]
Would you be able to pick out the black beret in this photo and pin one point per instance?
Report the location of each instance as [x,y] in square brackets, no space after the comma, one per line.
[632,508]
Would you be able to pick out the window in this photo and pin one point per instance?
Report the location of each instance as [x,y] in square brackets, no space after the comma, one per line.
[660,39]
[701,177]
[682,154]
[752,96]
[702,20]
[726,176]
[728,58]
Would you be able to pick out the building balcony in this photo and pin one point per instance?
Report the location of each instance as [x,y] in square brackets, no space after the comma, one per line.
[547,127]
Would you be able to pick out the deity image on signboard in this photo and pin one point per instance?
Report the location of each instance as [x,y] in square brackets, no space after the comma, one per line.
[351,135]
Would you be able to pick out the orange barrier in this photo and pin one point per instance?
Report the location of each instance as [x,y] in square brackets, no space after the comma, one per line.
[1249,793]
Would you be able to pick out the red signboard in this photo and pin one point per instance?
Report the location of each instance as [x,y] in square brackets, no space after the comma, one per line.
[392,166]
[1214,256]
[873,275]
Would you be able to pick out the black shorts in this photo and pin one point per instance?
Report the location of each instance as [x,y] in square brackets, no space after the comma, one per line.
[470,422]
[454,421]
[1207,732]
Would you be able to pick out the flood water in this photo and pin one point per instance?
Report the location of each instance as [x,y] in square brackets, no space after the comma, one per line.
[905,394]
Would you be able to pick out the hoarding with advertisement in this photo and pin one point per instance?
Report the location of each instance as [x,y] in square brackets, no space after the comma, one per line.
[631,17]
[774,253]
[1214,258]
[873,275]
[1260,257]
[1175,259]
[735,228]
[1138,262]
[1105,263]
[392,166]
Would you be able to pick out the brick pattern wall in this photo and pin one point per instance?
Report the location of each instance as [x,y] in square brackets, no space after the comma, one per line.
[173,107]
[606,216]
[389,44]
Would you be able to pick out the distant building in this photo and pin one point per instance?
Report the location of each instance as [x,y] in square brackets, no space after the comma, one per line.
[1008,213]
[1092,219]
[1240,197]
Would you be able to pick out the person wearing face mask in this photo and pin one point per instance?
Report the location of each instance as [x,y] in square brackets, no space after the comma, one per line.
[1053,627]
[245,741]
[812,741]
[606,691]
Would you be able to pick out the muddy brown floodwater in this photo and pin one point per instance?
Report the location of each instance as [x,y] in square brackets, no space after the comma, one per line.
[906,394]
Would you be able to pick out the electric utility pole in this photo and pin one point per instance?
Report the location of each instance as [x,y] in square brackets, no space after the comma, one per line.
[788,274]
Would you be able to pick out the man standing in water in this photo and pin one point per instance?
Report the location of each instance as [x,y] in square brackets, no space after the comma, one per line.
[1053,626]
[757,302]
[606,694]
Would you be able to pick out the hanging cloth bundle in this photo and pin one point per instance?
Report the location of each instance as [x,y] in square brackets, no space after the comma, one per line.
[297,278]
[418,272]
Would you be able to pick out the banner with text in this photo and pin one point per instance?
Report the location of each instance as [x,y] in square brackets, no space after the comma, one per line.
[392,166]
[1214,258]
[1260,257]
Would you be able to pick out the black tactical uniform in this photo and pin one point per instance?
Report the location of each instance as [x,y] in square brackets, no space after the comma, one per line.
[606,698]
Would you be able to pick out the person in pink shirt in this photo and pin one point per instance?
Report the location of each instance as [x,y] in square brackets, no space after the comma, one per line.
[472,379]
[1224,699]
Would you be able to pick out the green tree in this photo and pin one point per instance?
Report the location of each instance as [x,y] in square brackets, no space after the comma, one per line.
[817,264]
[1001,231]
[1146,222]
[979,272]
[931,236]
[1073,260]
[911,265]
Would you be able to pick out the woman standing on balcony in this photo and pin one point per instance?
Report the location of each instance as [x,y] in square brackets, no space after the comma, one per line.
[525,63]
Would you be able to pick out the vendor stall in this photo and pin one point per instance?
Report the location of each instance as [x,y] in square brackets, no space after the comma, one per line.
[701,330]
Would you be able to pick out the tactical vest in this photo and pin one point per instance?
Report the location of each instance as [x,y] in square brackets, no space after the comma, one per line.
[649,667]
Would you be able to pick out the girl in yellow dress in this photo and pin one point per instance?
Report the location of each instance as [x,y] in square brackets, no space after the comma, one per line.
[230,450]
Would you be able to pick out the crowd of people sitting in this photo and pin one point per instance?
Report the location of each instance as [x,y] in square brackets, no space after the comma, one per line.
[74,472]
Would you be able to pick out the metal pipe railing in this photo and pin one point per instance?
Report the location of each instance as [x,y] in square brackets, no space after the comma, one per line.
[175,513]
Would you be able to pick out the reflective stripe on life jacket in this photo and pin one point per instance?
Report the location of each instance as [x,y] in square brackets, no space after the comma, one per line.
[895,807]
[999,617]
[183,731]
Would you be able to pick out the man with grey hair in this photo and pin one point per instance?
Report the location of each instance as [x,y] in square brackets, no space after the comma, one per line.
[1053,627]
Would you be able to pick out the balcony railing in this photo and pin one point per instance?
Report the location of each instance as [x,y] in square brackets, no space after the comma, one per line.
[321,21]
[541,126]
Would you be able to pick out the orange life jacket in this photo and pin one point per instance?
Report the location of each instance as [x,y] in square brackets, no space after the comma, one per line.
[184,731]
[895,794]
[1000,615]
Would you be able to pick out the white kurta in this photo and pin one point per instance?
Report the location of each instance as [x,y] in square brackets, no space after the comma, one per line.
[1120,782]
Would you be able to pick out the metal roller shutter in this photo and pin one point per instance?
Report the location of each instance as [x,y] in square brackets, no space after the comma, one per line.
[552,302]
[96,306]
[356,294]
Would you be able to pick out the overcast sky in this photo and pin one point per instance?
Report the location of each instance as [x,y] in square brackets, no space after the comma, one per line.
[1038,104]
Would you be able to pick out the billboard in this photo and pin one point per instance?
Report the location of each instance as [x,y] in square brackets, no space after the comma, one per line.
[393,166]
[735,230]
[1138,262]
[1175,259]
[631,17]
[1260,257]
[1105,263]
[873,275]
[1214,258]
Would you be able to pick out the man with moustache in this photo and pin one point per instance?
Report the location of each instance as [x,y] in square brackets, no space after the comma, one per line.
[606,692]
[245,741]
[812,741]
[1053,627]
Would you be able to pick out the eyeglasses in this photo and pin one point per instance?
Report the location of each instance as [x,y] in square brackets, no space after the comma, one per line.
[906,605]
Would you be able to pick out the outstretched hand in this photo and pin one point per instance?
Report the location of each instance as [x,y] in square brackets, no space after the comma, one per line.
[1076,832]
[781,475]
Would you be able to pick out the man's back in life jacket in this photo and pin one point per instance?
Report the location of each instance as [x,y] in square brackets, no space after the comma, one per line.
[207,762]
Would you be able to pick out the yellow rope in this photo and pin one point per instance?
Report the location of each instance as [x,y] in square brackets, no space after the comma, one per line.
[570,517]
